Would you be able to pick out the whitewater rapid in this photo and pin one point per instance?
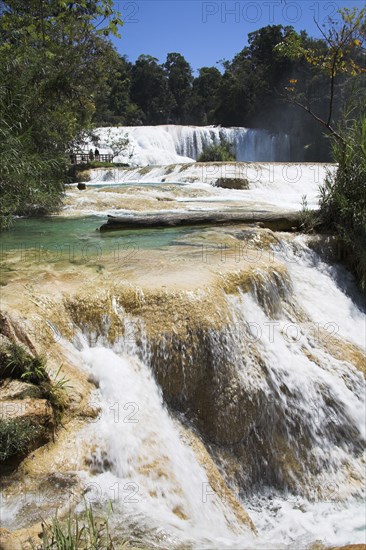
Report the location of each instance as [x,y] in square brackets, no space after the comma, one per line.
[194,187]
[296,329]
[170,144]
[153,476]
[141,462]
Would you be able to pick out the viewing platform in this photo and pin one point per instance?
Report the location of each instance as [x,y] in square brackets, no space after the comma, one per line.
[84,158]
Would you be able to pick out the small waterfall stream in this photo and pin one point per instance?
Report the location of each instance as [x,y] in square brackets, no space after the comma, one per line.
[140,462]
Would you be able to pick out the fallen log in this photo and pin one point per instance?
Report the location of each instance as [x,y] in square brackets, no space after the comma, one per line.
[277,221]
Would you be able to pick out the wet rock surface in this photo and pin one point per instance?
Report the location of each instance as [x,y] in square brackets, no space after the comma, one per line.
[232,183]
[11,389]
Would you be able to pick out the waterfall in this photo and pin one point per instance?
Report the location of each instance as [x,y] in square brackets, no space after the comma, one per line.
[170,144]
[282,404]
[236,400]
[141,463]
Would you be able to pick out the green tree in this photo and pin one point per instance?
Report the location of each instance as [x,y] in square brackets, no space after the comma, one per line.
[343,196]
[30,181]
[150,90]
[113,104]
[222,152]
[180,79]
[53,55]
[248,91]
[205,96]
[342,57]
[342,64]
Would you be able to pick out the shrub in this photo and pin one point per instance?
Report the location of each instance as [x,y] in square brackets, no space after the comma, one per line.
[218,153]
[343,196]
[30,182]
[16,437]
[310,220]
[21,365]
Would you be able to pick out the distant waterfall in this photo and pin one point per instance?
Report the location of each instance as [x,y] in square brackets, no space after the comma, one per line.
[170,144]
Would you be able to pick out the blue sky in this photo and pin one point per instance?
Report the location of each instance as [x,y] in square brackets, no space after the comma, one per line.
[206,32]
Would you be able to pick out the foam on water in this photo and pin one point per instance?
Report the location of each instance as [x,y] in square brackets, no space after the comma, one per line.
[307,390]
[156,475]
[278,185]
[154,480]
[138,458]
[296,523]
[328,293]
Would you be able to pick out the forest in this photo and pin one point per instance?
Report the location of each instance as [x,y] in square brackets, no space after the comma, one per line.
[251,90]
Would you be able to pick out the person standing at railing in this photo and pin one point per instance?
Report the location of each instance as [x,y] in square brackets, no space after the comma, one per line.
[96,154]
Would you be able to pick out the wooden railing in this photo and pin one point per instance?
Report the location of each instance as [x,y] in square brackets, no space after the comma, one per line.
[82,158]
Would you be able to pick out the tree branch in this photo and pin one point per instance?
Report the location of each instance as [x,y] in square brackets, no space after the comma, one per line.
[320,120]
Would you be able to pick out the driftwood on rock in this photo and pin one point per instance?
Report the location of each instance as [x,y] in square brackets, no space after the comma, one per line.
[277,221]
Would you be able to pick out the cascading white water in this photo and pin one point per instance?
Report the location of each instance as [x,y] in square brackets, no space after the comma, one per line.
[312,400]
[327,292]
[170,144]
[140,462]
[270,185]
[137,451]
[137,456]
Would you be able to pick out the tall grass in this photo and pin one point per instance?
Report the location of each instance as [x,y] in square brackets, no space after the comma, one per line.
[87,531]
[18,363]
